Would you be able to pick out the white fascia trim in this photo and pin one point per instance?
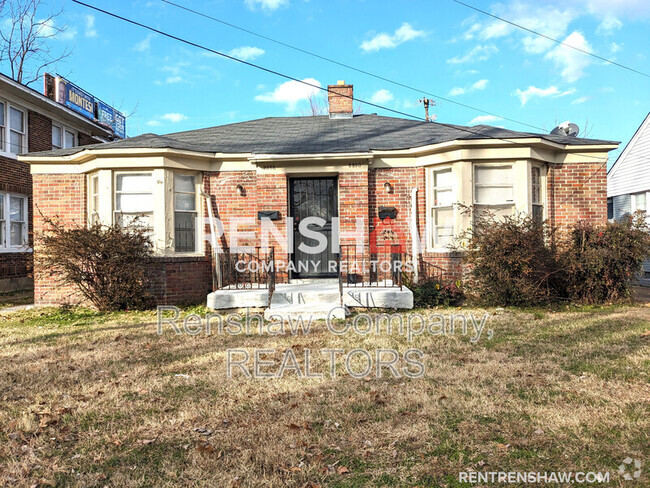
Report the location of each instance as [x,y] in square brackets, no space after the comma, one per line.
[90,154]
[272,158]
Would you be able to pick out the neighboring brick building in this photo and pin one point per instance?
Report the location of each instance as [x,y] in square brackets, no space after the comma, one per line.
[383,180]
[29,122]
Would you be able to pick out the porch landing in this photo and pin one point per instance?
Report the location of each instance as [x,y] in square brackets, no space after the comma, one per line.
[317,299]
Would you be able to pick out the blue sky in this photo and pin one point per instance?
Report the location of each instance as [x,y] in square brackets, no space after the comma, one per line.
[439,46]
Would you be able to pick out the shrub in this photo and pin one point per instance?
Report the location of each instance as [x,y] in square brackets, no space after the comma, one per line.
[432,293]
[107,264]
[601,260]
[510,262]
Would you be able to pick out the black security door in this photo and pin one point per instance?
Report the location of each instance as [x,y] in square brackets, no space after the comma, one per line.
[313,197]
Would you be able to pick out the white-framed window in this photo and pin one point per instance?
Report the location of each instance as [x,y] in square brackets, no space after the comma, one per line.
[93,204]
[134,203]
[13,129]
[537,193]
[16,130]
[57,137]
[639,201]
[13,221]
[62,137]
[441,209]
[493,189]
[185,213]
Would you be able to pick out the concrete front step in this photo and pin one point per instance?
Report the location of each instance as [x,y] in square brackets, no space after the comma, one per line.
[306,313]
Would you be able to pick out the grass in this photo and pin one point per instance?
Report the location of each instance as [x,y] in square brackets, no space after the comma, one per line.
[15,298]
[90,399]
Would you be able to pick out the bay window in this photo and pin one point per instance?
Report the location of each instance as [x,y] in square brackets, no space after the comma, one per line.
[134,200]
[13,221]
[442,208]
[184,213]
[493,190]
[94,200]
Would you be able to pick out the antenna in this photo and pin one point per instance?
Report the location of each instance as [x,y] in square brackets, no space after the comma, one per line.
[426,102]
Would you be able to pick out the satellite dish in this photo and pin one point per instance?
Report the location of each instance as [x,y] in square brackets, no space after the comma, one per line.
[566,129]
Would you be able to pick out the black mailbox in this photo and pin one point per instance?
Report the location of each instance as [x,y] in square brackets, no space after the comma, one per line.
[387,213]
[268,214]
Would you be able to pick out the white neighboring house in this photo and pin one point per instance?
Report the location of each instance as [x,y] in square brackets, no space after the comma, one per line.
[628,182]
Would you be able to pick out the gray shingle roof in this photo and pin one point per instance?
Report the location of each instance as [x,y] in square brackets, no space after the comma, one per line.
[320,134]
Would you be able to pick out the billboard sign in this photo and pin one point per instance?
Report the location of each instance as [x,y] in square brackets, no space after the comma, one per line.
[75,98]
[110,117]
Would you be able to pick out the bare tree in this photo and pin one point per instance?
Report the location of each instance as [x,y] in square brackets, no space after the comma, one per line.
[317,105]
[26,41]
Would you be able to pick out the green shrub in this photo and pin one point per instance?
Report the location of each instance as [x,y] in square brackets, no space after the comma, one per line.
[107,264]
[602,260]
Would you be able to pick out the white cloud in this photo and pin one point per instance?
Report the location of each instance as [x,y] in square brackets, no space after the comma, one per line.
[247,53]
[579,100]
[572,62]
[290,93]
[266,4]
[614,47]
[381,96]
[90,26]
[174,117]
[543,17]
[631,9]
[608,26]
[477,53]
[174,79]
[483,119]
[154,123]
[457,90]
[533,92]
[144,44]
[478,85]
[387,41]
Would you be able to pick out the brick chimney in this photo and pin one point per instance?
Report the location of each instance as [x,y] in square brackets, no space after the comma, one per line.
[340,100]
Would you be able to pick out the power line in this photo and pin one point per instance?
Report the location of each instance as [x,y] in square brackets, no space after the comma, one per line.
[344,65]
[277,73]
[550,38]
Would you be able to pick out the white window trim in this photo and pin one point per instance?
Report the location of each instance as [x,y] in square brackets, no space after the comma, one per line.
[6,247]
[64,129]
[429,199]
[91,209]
[199,249]
[115,211]
[5,150]
[512,185]
[542,190]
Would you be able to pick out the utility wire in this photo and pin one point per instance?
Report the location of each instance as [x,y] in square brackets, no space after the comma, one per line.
[549,38]
[277,73]
[338,63]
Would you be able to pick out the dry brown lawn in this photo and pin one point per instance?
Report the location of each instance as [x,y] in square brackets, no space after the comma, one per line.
[90,399]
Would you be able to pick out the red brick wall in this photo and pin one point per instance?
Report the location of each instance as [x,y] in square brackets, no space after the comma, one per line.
[64,197]
[577,191]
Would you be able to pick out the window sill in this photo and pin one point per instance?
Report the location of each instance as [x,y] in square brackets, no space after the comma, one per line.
[15,250]
[9,155]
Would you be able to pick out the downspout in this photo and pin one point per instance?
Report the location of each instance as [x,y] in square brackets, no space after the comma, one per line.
[415,238]
[213,242]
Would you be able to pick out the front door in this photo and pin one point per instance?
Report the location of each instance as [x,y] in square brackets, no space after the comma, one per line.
[313,197]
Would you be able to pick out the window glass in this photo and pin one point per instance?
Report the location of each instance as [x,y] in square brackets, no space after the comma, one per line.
[69,139]
[56,137]
[2,114]
[17,220]
[3,222]
[536,185]
[16,120]
[134,201]
[442,212]
[185,215]
[639,202]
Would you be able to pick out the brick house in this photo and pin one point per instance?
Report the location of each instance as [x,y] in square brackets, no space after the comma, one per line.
[29,122]
[384,186]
